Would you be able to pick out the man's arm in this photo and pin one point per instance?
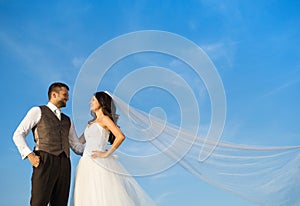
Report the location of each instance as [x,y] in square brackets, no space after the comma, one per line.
[30,120]
[76,143]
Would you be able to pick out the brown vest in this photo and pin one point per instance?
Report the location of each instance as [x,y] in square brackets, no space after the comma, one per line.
[51,134]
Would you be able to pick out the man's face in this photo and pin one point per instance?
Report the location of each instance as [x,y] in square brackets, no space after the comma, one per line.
[61,97]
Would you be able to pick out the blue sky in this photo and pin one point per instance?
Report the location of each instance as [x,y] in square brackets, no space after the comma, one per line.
[253,44]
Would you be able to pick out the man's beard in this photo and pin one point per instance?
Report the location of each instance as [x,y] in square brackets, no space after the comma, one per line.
[61,103]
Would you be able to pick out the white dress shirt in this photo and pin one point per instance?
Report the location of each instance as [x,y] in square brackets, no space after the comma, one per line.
[30,120]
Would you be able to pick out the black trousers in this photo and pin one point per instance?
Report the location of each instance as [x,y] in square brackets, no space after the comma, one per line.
[50,181]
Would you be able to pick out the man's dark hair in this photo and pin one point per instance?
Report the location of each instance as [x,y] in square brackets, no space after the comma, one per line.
[55,87]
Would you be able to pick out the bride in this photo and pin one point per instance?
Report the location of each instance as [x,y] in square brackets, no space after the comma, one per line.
[100,178]
[263,175]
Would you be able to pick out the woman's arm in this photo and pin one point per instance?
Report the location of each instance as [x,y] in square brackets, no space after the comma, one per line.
[119,138]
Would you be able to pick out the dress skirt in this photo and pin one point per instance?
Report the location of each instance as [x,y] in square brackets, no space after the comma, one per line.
[104,182]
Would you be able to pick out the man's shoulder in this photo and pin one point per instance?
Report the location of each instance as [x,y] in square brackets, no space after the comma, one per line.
[35,109]
[38,107]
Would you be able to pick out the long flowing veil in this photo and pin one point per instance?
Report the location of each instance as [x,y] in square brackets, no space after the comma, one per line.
[263,175]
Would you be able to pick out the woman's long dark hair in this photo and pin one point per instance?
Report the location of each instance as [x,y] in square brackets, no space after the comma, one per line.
[108,108]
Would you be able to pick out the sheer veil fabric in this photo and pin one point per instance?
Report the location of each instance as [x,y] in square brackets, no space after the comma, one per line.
[264,175]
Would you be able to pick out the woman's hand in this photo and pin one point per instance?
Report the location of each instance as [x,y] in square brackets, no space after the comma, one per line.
[100,154]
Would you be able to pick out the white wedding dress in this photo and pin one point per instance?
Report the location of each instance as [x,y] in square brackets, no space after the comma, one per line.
[103,181]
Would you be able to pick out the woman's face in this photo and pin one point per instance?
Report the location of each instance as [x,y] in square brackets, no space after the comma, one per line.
[94,104]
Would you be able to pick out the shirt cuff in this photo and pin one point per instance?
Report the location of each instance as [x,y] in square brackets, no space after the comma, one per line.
[25,152]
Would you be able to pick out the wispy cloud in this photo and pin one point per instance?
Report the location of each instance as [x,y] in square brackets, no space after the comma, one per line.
[34,58]
[282,87]
[44,63]
[229,12]
[78,61]
[222,52]
[160,199]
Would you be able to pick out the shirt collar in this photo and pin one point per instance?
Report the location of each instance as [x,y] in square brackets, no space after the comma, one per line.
[52,106]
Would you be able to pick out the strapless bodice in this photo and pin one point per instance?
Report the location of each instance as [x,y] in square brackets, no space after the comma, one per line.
[96,138]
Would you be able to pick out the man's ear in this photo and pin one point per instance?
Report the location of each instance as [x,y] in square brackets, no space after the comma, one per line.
[53,94]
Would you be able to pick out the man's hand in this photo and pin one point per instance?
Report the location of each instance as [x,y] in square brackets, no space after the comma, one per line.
[34,159]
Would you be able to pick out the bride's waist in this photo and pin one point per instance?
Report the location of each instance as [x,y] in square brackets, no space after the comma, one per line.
[90,152]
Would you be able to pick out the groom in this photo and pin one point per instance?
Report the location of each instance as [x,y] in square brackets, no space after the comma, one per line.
[54,134]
